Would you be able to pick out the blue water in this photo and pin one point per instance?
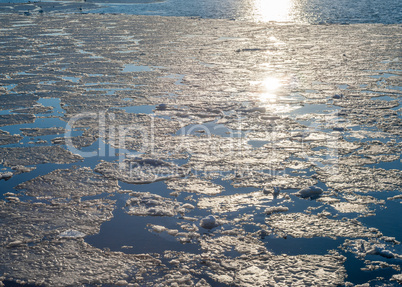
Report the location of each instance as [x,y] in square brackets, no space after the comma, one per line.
[310,11]
[299,11]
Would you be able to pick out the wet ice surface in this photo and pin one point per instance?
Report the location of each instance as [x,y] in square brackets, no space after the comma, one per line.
[179,151]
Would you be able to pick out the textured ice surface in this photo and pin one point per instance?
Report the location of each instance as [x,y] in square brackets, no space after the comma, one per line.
[194,185]
[274,209]
[71,234]
[36,132]
[258,267]
[300,225]
[148,204]
[7,138]
[36,155]
[363,179]
[68,183]
[140,170]
[16,119]
[236,202]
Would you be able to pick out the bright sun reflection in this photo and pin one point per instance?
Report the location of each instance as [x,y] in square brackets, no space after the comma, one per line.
[273,10]
[271,84]
[269,87]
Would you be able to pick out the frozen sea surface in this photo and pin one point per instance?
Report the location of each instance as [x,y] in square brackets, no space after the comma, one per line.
[169,151]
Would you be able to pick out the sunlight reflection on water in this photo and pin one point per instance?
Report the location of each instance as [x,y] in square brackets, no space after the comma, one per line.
[273,10]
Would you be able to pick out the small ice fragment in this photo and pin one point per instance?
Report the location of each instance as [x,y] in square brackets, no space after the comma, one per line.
[273,209]
[188,206]
[275,191]
[12,199]
[22,169]
[161,107]
[15,244]
[383,252]
[72,234]
[121,283]
[312,191]
[208,222]
[256,109]
[174,262]
[6,175]
[158,228]
[338,129]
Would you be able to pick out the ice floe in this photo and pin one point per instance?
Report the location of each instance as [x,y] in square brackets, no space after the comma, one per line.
[140,170]
[148,204]
[36,155]
[301,225]
[194,185]
[68,183]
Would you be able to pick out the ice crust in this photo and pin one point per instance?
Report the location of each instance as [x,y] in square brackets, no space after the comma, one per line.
[148,204]
[68,183]
[194,185]
[301,225]
[36,155]
[140,170]
[6,138]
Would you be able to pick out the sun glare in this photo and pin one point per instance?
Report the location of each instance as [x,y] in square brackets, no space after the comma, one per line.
[273,10]
[269,88]
[271,84]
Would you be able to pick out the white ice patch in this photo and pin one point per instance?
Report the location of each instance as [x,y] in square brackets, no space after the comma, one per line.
[71,233]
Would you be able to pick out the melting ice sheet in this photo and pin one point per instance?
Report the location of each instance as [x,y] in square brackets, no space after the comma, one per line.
[151,158]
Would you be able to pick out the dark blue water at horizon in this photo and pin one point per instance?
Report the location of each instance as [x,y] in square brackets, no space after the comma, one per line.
[294,11]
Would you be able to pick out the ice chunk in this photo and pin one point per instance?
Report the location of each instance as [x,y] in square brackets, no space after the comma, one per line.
[15,244]
[22,169]
[6,175]
[13,199]
[273,209]
[121,283]
[310,192]
[209,222]
[397,278]
[161,107]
